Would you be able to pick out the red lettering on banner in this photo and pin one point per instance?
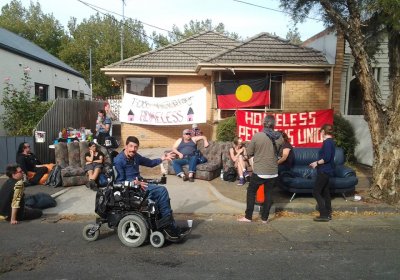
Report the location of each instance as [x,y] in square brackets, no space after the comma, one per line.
[301,128]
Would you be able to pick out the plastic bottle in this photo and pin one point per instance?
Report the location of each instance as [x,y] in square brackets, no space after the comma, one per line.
[222,174]
[60,135]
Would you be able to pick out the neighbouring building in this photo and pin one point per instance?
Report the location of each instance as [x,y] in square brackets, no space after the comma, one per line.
[338,52]
[50,77]
[300,77]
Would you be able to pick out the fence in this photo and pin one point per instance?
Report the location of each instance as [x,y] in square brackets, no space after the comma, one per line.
[63,114]
[8,149]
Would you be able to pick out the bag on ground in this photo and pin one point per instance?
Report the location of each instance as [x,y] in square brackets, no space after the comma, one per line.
[54,179]
[40,201]
[230,175]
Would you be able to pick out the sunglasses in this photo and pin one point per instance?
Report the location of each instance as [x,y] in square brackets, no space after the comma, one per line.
[187,133]
[27,146]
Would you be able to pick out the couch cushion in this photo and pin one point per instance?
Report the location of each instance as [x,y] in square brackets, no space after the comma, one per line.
[74,155]
[70,171]
[304,156]
[61,154]
[83,149]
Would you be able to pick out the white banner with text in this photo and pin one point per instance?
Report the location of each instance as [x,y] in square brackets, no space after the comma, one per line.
[181,109]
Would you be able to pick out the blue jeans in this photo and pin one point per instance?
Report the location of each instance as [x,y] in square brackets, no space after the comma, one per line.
[159,194]
[178,163]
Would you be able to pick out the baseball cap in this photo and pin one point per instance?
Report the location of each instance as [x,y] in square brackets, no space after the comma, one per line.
[186,131]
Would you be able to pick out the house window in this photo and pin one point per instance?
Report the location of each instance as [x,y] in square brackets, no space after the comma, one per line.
[147,86]
[355,99]
[81,95]
[61,92]
[74,94]
[377,74]
[42,92]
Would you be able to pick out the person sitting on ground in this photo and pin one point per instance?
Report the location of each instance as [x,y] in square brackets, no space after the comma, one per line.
[12,198]
[196,130]
[35,171]
[127,164]
[286,154]
[94,163]
[238,155]
[103,125]
[185,149]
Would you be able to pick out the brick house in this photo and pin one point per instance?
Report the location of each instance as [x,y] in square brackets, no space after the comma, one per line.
[300,77]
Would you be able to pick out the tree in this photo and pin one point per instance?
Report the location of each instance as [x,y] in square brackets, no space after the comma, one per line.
[350,18]
[32,24]
[293,36]
[101,34]
[192,28]
[22,112]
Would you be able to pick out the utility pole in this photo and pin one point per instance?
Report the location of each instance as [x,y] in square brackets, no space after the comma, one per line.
[122,29]
[90,74]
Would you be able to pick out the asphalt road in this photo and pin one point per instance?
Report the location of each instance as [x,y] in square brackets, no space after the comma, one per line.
[349,247]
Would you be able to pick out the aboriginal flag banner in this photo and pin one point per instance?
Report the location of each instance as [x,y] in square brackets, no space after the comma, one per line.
[242,93]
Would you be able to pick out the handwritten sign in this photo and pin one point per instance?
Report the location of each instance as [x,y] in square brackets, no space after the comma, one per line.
[301,128]
[185,108]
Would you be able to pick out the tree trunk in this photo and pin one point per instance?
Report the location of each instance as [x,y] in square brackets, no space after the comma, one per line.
[386,170]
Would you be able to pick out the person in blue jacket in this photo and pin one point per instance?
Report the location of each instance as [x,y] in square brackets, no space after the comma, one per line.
[325,166]
[127,164]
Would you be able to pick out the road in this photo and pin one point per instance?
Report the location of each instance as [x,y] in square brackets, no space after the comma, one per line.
[295,247]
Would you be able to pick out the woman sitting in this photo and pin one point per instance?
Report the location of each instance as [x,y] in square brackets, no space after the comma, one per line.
[94,163]
[238,155]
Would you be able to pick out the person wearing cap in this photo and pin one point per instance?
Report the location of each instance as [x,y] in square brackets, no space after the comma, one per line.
[264,146]
[185,149]
[196,130]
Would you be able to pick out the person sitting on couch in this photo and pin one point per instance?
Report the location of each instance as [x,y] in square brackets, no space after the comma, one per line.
[36,172]
[286,154]
[94,163]
[238,155]
[185,148]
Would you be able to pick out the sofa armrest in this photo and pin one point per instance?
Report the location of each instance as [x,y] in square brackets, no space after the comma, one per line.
[342,171]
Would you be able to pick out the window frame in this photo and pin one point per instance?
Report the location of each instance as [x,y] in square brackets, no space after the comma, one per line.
[154,85]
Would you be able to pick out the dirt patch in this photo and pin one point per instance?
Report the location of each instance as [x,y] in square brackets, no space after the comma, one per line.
[26,260]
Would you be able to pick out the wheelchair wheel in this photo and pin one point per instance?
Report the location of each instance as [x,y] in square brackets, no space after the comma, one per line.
[87,233]
[132,231]
[157,239]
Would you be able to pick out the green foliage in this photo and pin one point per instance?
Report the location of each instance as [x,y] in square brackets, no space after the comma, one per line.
[226,129]
[293,36]
[345,137]
[192,28]
[101,34]
[32,24]
[22,113]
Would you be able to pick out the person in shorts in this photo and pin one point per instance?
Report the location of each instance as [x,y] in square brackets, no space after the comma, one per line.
[94,163]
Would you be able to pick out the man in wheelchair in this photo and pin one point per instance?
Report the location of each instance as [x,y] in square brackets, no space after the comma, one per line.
[127,164]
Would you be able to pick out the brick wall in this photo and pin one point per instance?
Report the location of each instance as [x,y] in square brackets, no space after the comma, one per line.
[302,92]
[337,72]
[165,136]
[305,92]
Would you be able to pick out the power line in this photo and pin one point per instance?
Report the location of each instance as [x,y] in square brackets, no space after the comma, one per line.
[97,8]
[271,9]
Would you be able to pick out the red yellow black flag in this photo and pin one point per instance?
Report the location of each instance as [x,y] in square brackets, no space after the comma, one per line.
[242,93]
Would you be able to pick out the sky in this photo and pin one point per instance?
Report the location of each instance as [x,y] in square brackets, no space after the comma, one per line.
[246,20]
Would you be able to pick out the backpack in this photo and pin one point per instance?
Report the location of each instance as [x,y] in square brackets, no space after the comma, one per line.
[230,175]
[54,180]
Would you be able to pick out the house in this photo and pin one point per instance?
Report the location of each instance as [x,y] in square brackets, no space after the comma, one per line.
[338,52]
[50,77]
[299,77]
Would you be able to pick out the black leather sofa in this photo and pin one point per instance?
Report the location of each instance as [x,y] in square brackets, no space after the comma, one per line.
[301,178]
